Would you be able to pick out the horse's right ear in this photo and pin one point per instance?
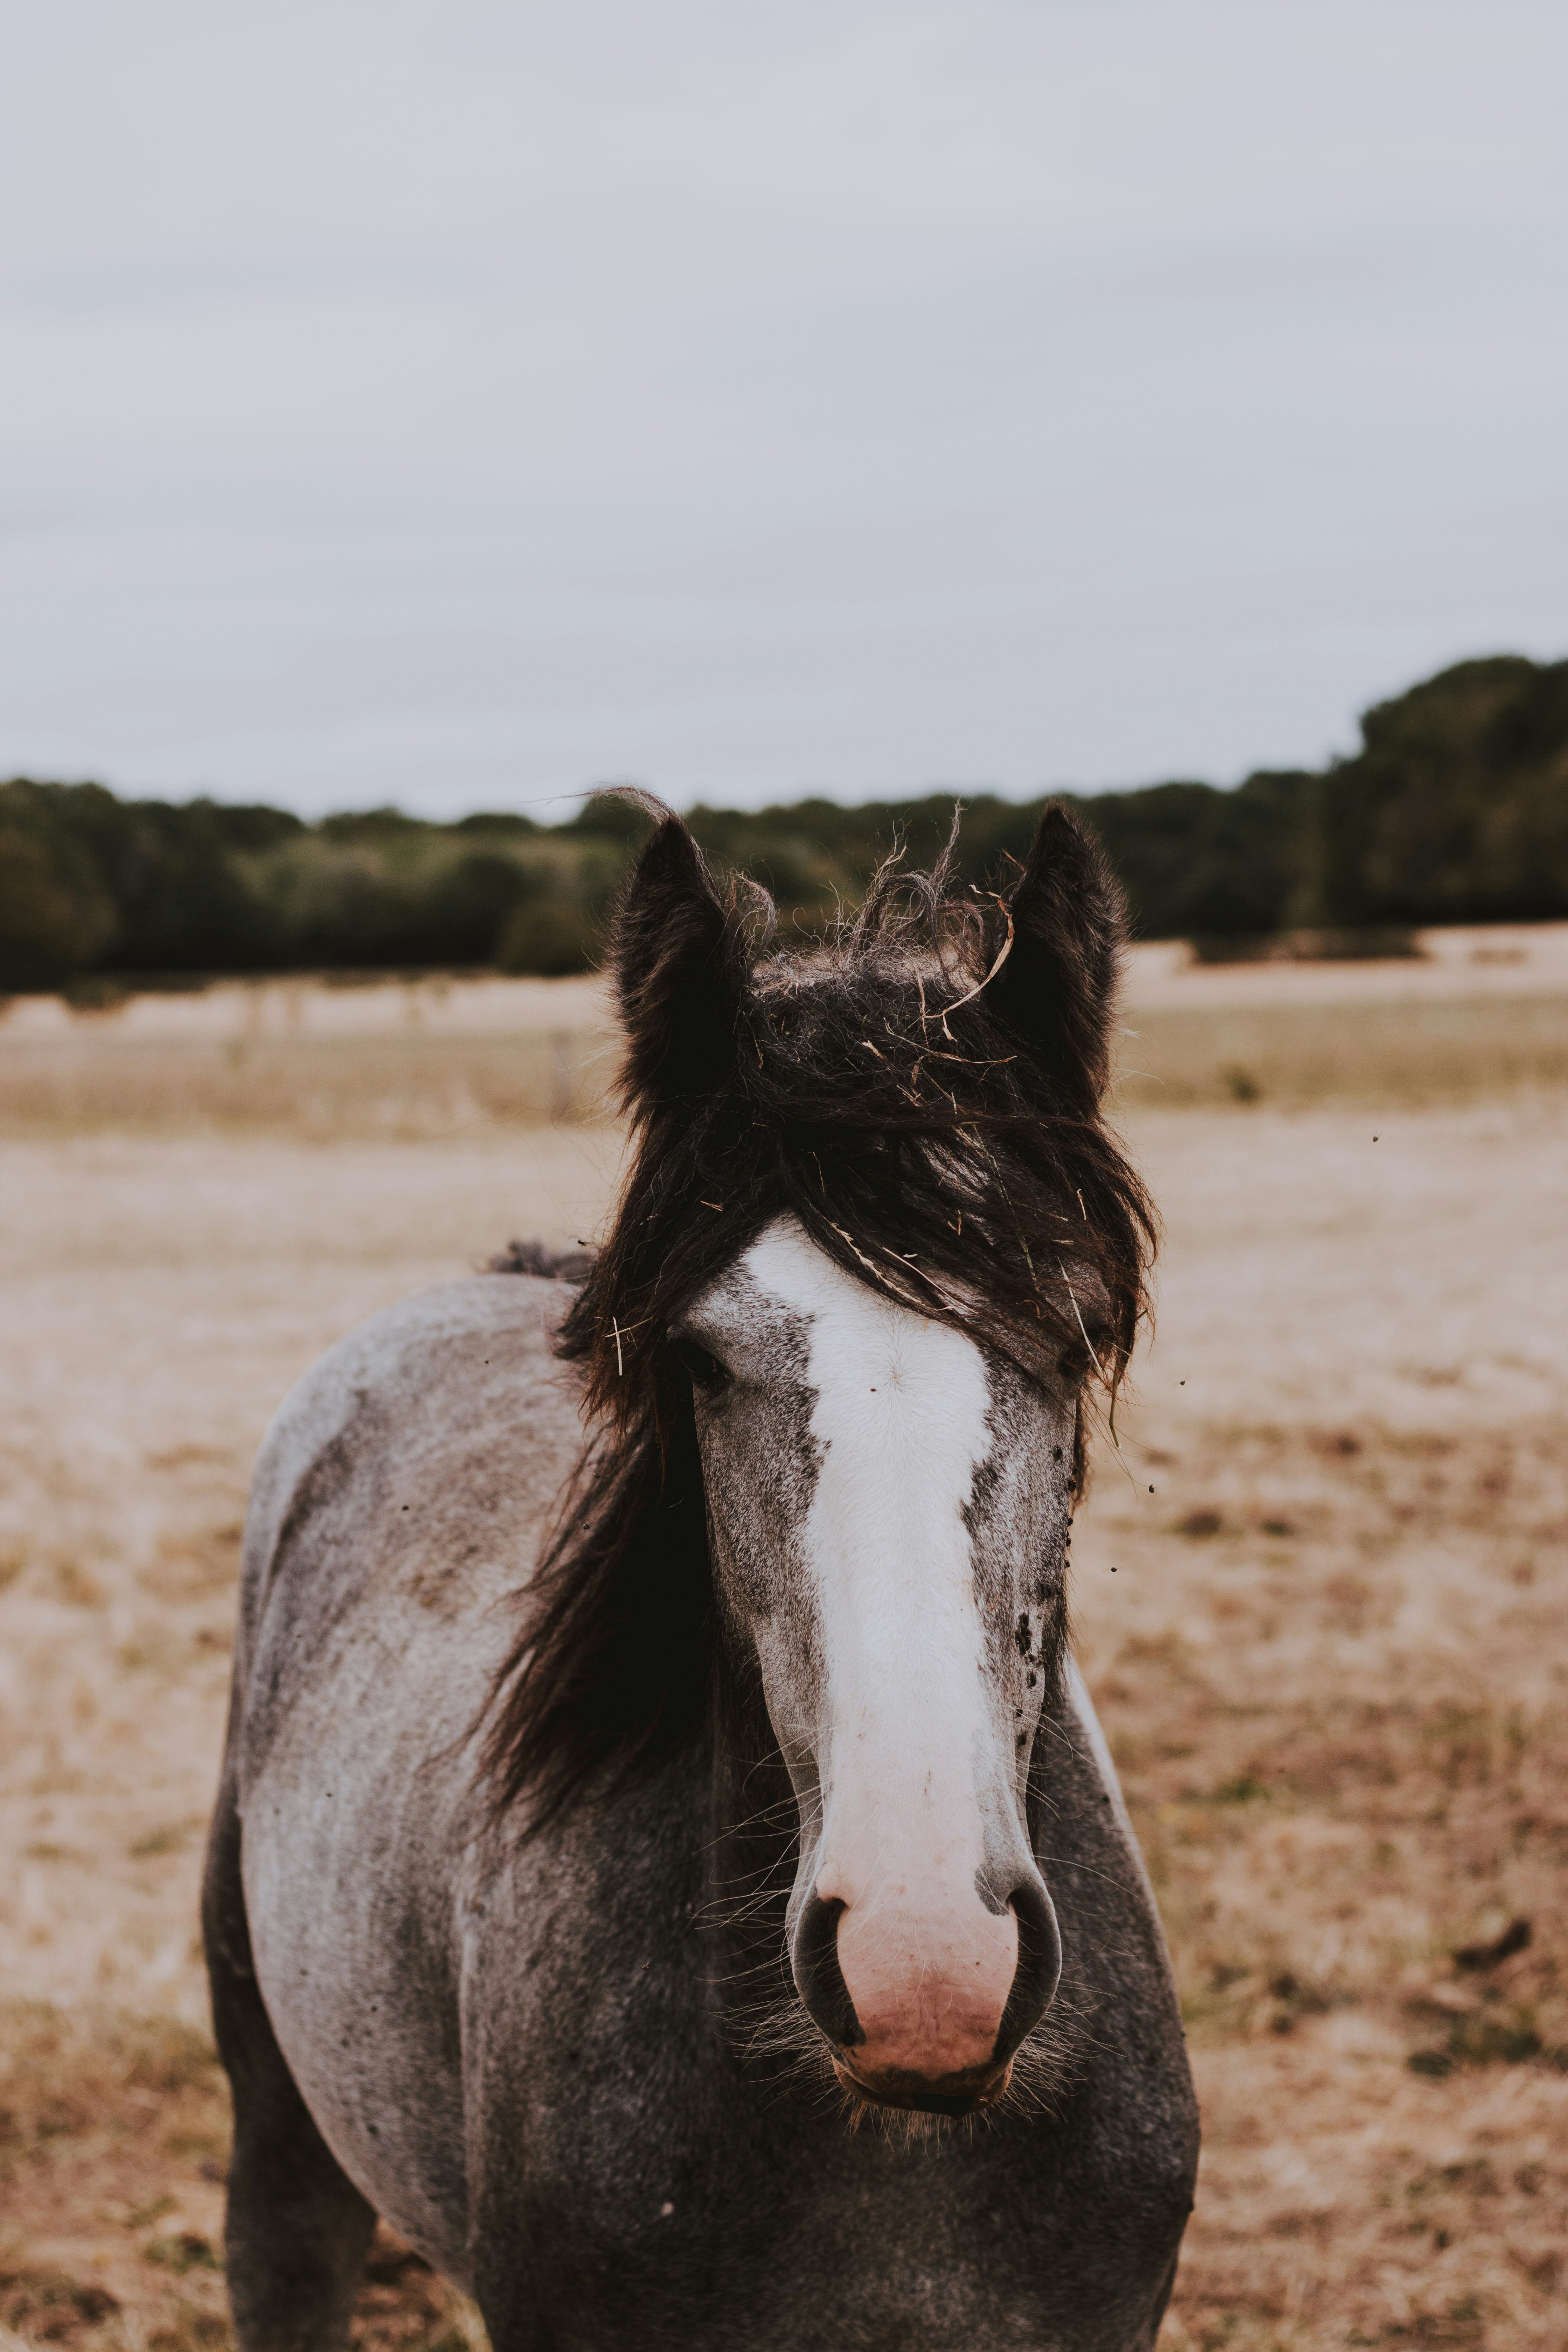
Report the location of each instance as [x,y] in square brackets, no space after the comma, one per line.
[681,963]
[1055,993]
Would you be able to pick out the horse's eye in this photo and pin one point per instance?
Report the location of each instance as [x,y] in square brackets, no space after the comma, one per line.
[709,1377]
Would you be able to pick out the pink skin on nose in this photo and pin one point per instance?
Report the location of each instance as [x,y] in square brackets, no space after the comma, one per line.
[928,1968]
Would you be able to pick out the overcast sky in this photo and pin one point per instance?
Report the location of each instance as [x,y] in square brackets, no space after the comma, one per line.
[456,403]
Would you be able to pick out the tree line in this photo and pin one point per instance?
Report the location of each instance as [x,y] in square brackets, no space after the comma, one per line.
[1455,809]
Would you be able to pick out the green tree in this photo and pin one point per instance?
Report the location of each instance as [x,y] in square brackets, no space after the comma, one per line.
[1456,808]
[55,918]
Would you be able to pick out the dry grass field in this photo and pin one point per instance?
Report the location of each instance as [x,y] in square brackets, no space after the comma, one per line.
[1320,1599]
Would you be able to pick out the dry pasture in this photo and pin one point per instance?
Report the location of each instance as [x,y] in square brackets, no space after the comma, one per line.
[446,1059]
[1319,1597]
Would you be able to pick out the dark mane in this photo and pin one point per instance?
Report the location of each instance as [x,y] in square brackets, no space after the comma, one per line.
[922,1092]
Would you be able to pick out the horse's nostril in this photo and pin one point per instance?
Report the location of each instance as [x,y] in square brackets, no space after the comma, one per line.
[1039,1968]
[819,1979]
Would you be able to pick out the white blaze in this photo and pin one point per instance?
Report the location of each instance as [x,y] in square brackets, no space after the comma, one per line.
[908,1731]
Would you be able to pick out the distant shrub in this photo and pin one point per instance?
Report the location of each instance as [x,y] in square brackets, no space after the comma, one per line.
[547,938]
[56,918]
[1222,864]
[463,908]
[37,917]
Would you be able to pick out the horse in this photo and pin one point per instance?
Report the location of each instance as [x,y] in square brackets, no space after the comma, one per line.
[667,1862]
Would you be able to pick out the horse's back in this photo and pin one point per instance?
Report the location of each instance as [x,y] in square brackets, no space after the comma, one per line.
[422,1453]
[397,1509]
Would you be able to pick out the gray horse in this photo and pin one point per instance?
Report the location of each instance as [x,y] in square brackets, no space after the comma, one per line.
[666,1862]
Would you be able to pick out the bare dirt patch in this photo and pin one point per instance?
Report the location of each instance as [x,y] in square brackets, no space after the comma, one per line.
[113,2149]
[1330,1657]
[1321,1602]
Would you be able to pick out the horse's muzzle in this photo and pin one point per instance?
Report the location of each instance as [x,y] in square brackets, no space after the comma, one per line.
[899,2062]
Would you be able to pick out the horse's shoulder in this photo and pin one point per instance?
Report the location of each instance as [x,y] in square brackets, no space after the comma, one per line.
[455,1394]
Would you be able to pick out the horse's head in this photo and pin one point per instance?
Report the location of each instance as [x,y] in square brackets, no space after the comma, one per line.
[889,1506]
[874,1242]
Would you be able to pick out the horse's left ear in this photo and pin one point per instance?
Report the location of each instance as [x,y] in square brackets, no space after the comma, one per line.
[1055,993]
[681,963]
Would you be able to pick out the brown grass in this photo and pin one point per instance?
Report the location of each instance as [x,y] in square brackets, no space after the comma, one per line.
[434,1059]
[1302,1055]
[113,2142]
[1330,1658]
[441,1059]
[1330,1662]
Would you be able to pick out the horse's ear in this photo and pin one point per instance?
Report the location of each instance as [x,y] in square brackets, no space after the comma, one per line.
[679,964]
[1056,992]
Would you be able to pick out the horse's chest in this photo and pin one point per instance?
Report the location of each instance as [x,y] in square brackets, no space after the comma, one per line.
[643,2184]
[775,2241]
